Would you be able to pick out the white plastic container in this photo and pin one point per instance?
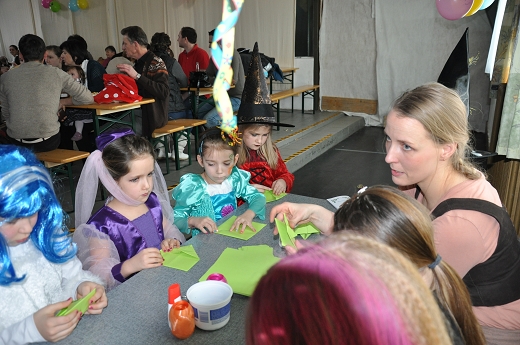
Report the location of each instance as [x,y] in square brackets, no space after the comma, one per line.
[211,302]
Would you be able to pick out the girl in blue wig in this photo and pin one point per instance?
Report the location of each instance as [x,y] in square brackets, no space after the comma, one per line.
[39,271]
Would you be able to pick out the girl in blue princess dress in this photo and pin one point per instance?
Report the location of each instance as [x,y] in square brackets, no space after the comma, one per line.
[202,200]
[39,271]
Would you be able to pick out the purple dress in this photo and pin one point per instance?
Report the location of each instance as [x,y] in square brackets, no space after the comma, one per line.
[130,237]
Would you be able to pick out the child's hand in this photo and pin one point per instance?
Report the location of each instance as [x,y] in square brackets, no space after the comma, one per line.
[243,221]
[261,188]
[146,258]
[98,302]
[279,186]
[54,328]
[204,224]
[170,243]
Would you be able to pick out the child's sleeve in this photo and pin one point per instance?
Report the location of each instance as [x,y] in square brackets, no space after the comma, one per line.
[22,332]
[73,275]
[246,191]
[281,172]
[97,253]
[188,194]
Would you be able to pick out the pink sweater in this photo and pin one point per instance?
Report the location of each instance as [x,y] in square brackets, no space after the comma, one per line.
[466,238]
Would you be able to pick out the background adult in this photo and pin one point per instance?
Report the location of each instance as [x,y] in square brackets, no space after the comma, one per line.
[160,44]
[151,76]
[192,55]
[15,53]
[53,56]
[357,292]
[30,97]
[5,65]
[74,53]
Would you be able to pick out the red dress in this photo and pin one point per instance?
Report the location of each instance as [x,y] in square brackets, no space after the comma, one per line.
[261,172]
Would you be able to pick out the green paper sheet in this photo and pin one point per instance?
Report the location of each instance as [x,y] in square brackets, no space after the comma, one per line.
[287,234]
[243,267]
[305,230]
[182,258]
[223,229]
[80,304]
[270,196]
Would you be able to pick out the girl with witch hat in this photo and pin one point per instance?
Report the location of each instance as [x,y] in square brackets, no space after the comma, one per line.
[257,153]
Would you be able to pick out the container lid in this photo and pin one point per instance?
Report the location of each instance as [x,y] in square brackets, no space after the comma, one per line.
[174,292]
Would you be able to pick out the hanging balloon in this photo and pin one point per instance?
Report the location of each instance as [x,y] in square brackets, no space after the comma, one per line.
[46,3]
[83,4]
[453,9]
[486,4]
[474,8]
[73,5]
[55,6]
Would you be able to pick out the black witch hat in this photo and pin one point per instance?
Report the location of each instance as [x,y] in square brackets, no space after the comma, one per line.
[255,106]
[455,74]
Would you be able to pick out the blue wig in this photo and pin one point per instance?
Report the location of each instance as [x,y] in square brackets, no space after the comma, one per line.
[26,189]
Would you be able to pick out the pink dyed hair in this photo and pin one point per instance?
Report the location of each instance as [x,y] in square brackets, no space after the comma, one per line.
[315,297]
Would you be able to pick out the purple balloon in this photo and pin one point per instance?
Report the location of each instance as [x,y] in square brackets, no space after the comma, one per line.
[453,9]
[46,3]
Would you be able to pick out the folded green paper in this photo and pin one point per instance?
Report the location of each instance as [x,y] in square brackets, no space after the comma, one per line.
[80,304]
[270,196]
[223,229]
[305,230]
[287,234]
[182,258]
[243,267]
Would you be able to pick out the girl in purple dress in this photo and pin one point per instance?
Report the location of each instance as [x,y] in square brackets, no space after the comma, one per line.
[125,235]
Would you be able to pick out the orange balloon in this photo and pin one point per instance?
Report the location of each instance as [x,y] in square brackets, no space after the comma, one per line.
[182,319]
[474,8]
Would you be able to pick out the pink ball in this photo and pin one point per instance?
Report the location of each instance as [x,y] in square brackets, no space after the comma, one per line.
[453,9]
[217,276]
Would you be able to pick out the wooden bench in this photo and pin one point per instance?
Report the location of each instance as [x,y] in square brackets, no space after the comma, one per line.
[160,135]
[189,123]
[303,90]
[60,161]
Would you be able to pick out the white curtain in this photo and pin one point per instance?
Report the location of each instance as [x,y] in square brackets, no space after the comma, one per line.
[413,43]
[270,22]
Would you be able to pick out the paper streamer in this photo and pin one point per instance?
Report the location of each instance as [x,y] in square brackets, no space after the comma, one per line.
[225,32]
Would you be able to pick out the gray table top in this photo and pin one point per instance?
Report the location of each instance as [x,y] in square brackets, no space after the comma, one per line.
[137,310]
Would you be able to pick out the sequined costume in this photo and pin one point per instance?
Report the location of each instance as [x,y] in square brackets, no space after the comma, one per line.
[195,198]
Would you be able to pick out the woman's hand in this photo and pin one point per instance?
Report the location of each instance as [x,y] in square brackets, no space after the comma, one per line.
[279,186]
[97,302]
[297,214]
[243,221]
[54,328]
[170,243]
[204,224]
[261,188]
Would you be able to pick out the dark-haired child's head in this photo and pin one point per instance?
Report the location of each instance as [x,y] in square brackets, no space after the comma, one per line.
[119,154]
[217,154]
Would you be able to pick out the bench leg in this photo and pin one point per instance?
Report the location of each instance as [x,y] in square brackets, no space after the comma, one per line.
[71,186]
[176,151]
